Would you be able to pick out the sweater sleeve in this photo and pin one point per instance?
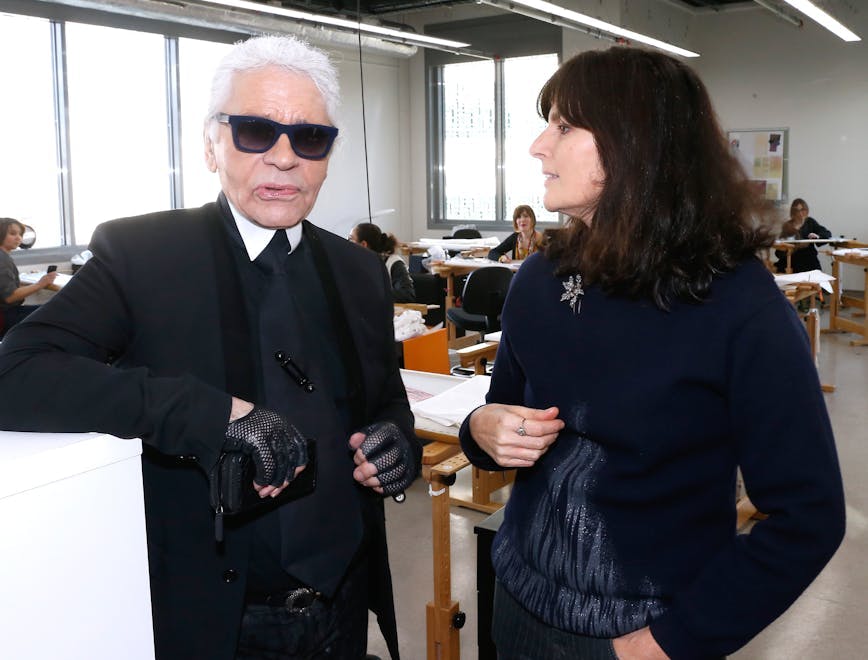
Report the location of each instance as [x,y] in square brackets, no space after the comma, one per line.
[818,229]
[403,290]
[63,353]
[506,247]
[787,455]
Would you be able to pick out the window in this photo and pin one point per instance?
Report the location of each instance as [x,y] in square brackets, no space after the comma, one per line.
[29,167]
[107,122]
[522,174]
[119,142]
[197,61]
[482,120]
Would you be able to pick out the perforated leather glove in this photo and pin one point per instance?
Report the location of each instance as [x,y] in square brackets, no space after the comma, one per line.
[386,447]
[274,445]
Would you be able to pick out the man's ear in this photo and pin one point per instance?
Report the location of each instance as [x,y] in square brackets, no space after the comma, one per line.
[210,158]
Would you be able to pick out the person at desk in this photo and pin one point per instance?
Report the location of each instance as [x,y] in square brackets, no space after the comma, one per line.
[184,357]
[800,226]
[631,382]
[12,294]
[369,235]
[525,241]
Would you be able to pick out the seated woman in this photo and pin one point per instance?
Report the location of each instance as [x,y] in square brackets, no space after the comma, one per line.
[525,241]
[372,237]
[799,226]
[12,294]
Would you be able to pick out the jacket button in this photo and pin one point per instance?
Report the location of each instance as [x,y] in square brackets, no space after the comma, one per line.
[230,576]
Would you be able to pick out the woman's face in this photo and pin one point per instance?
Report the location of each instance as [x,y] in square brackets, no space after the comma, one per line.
[524,223]
[799,213]
[13,238]
[571,167]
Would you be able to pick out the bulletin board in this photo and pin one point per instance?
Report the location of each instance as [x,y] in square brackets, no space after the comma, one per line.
[763,155]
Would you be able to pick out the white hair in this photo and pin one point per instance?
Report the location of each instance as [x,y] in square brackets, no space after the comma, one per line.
[286,52]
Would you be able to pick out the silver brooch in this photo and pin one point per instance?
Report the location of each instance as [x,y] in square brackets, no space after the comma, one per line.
[573,292]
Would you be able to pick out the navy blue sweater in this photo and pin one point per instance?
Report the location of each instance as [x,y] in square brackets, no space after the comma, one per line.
[629,518]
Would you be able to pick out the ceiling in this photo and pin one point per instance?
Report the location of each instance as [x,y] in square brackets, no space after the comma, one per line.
[350,8]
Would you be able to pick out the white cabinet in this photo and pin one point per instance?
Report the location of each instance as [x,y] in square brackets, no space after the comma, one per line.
[73,557]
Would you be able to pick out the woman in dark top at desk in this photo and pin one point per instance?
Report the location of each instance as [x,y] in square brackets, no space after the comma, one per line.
[800,226]
[631,382]
[372,237]
[525,241]
[12,294]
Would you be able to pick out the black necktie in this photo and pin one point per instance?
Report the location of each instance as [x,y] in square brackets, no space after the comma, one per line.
[273,257]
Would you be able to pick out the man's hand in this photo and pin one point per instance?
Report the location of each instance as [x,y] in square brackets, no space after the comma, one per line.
[277,449]
[638,645]
[382,457]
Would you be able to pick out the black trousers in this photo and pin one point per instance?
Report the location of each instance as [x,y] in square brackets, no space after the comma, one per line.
[335,629]
[519,635]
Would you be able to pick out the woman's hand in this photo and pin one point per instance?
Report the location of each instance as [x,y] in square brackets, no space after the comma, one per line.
[47,279]
[504,258]
[514,436]
[638,645]
[813,235]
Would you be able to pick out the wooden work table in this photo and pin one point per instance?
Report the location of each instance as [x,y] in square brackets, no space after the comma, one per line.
[442,459]
[837,321]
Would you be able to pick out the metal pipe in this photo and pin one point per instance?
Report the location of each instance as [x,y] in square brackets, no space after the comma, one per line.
[777,11]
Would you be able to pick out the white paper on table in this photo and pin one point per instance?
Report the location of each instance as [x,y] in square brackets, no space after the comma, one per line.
[461,243]
[818,276]
[449,408]
[851,252]
[61,280]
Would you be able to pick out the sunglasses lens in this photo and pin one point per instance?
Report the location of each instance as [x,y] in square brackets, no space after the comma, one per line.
[311,142]
[254,135]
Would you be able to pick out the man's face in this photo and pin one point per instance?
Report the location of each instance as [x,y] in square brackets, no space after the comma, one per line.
[275,189]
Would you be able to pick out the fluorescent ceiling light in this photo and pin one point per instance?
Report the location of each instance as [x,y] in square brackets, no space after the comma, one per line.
[387,33]
[810,10]
[548,8]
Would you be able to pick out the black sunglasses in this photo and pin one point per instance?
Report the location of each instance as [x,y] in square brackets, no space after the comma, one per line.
[256,135]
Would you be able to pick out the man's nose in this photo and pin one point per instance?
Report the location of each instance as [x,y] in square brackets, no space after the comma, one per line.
[281,154]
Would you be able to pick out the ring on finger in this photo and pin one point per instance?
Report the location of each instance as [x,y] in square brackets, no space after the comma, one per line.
[521,430]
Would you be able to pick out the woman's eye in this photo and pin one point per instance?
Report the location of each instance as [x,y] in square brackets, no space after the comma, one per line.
[563,129]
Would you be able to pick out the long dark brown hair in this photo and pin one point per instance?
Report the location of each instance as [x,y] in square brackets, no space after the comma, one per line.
[675,208]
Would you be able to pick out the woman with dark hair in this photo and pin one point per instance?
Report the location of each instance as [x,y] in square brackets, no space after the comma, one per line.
[12,294]
[800,226]
[632,380]
[369,235]
[524,242]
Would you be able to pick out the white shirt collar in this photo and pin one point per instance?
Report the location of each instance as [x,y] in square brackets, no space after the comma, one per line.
[256,238]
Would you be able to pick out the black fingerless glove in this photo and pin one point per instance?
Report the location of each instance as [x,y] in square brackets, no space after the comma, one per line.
[386,447]
[274,445]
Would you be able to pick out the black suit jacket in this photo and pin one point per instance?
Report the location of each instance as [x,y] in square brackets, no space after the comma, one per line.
[143,342]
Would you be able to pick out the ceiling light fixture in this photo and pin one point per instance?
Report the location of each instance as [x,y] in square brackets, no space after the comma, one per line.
[543,11]
[357,26]
[813,12]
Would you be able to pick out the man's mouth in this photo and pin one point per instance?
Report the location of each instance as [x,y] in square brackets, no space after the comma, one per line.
[269,191]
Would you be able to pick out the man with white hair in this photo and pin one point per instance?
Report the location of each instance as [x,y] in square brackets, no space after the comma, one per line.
[231,345]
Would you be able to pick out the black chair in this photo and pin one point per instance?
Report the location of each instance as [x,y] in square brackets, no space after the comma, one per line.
[430,290]
[466,233]
[481,300]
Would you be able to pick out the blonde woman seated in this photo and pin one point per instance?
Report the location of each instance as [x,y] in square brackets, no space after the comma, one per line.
[525,241]
[372,237]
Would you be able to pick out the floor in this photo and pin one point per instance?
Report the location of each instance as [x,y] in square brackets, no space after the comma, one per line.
[828,622]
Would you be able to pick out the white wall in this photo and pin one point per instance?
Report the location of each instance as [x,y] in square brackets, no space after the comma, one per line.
[765,73]
[343,201]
